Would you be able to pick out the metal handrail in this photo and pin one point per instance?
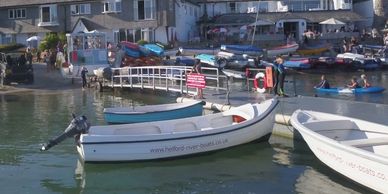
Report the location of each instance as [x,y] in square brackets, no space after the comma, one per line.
[151,74]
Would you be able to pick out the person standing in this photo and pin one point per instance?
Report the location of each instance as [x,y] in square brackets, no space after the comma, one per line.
[275,78]
[281,75]
[84,71]
[197,69]
[2,74]
[29,55]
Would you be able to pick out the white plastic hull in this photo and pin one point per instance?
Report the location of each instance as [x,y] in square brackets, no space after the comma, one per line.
[173,145]
[358,165]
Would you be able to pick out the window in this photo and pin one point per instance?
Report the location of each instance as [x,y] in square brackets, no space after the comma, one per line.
[144,9]
[232,7]
[16,13]
[112,6]
[133,35]
[48,15]
[80,9]
[147,34]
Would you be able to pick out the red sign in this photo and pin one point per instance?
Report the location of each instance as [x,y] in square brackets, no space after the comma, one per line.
[196,80]
[268,75]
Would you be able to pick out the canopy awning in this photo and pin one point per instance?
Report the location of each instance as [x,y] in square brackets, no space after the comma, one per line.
[261,23]
[332,21]
[33,38]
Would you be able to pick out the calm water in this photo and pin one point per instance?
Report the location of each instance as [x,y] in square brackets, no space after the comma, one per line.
[277,166]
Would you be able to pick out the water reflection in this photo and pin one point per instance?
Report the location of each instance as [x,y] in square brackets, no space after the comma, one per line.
[243,169]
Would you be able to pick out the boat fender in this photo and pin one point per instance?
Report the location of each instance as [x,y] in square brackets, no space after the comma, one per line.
[260,77]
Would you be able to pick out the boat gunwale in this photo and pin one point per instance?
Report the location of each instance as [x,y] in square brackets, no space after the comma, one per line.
[190,104]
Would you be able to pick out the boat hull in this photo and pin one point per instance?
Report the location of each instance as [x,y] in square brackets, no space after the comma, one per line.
[358,165]
[182,112]
[174,144]
[282,50]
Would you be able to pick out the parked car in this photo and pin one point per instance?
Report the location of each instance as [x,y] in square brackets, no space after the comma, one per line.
[17,69]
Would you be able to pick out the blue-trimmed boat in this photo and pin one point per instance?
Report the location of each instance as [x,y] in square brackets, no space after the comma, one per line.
[155,49]
[242,49]
[298,64]
[138,114]
[373,89]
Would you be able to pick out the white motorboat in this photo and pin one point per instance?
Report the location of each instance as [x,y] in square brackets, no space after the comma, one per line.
[172,138]
[355,148]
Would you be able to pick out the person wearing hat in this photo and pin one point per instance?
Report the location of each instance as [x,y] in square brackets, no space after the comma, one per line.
[365,83]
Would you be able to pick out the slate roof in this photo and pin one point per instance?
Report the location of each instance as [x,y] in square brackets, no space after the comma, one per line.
[311,17]
[90,25]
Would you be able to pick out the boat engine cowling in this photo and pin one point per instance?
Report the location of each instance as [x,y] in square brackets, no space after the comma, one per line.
[77,126]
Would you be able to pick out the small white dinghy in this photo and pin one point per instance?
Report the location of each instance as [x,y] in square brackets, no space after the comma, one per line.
[355,148]
[165,139]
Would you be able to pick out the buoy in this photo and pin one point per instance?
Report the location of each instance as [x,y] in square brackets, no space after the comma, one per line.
[260,77]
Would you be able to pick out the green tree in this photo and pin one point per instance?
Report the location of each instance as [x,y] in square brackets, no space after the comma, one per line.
[50,41]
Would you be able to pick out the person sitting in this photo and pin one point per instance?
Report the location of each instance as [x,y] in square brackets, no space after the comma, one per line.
[365,83]
[323,84]
[353,84]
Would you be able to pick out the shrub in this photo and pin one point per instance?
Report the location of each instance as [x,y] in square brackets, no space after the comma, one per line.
[142,42]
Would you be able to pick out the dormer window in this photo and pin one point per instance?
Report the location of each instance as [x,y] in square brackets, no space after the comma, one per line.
[112,6]
[48,15]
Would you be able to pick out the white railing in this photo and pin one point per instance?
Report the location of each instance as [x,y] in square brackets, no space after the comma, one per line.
[168,78]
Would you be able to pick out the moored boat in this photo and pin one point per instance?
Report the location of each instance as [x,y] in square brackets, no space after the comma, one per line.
[155,49]
[313,49]
[354,148]
[242,49]
[285,49]
[120,115]
[172,138]
[341,90]
[211,60]
[297,64]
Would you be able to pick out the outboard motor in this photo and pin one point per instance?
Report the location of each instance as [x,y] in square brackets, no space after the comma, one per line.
[77,126]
